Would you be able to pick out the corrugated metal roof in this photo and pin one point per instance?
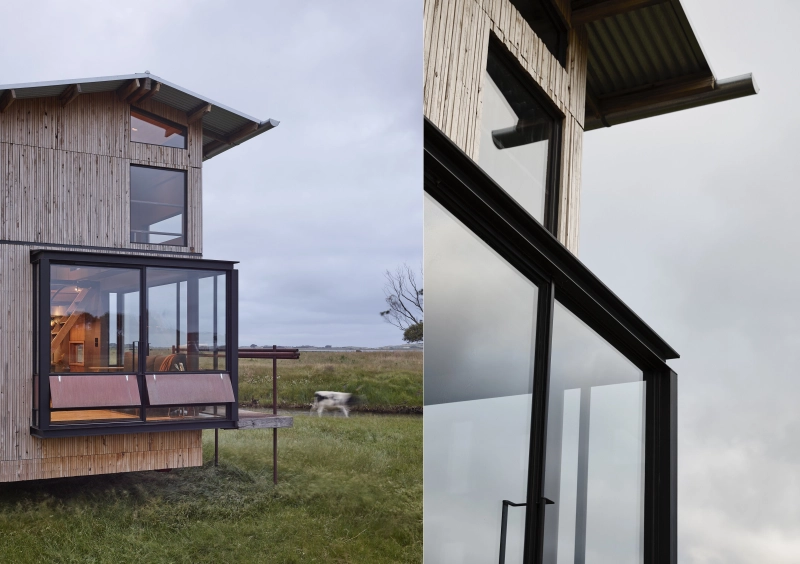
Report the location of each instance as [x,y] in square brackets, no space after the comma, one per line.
[651,51]
[221,121]
[641,47]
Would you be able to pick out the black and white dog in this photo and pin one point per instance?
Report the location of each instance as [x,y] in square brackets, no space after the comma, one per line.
[333,400]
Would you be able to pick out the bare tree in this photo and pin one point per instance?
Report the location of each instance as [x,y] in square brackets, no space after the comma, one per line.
[404,297]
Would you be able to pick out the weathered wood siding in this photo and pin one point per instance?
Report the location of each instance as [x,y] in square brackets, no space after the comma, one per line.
[66,170]
[64,180]
[456,46]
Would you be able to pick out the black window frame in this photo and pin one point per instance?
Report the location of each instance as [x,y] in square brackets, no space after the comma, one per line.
[40,422]
[554,151]
[473,198]
[184,129]
[185,222]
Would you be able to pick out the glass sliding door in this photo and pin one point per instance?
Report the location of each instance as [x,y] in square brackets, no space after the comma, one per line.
[594,461]
[479,339]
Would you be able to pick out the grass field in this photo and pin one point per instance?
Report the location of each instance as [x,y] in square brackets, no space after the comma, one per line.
[350,491]
[385,381]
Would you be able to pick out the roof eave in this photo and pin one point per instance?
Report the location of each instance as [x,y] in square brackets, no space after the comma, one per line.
[726,89]
[263,127]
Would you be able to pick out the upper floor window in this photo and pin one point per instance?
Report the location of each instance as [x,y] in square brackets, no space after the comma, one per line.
[544,21]
[519,139]
[158,206]
[147,128]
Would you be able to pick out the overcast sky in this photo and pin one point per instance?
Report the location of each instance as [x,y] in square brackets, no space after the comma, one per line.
[692,219]
[317,209]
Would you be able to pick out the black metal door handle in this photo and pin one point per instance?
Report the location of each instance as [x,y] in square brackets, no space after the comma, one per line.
[504,522]
[504,527]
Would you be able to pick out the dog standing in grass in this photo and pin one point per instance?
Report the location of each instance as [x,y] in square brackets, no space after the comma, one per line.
[333,400]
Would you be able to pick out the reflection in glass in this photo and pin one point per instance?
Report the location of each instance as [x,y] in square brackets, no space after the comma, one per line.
[147,128]
[186,320]
[185,412]
[515,134]
[94,318]
[594,463]
[158,205]
[479,333]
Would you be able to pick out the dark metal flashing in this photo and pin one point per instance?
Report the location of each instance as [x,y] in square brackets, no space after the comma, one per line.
[456,181]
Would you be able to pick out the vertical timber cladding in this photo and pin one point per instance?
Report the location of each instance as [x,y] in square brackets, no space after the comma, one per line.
[65,171]
[456,46]
[64,179]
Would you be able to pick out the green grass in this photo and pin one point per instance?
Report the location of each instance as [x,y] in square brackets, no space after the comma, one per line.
[350,490]
[385,381]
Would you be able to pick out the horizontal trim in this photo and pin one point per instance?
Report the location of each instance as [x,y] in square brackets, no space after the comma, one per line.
[67,257]
[77,248]
[94,429]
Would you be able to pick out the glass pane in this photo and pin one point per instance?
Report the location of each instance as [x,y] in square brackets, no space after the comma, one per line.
[186,320]
[187,412]
[94,319]
[147,128]
[158,204]
[93,416]
[515,133]
[479,340]
[594,468]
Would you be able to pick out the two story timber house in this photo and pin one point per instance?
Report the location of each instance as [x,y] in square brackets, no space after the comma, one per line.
[550,412]
[118,342]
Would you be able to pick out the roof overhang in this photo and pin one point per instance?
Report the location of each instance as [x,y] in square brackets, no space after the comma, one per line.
[645,60]
[223,127]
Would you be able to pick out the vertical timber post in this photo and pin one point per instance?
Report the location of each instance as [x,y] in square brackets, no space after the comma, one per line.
[274,412]
[216,447]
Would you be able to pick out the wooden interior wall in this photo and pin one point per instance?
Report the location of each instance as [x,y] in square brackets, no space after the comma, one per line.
[456,45]
[64,179]
[66,175]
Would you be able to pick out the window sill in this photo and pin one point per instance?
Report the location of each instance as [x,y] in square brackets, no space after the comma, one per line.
[93,429]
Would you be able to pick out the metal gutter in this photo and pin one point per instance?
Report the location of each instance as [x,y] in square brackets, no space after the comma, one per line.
[726,89]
